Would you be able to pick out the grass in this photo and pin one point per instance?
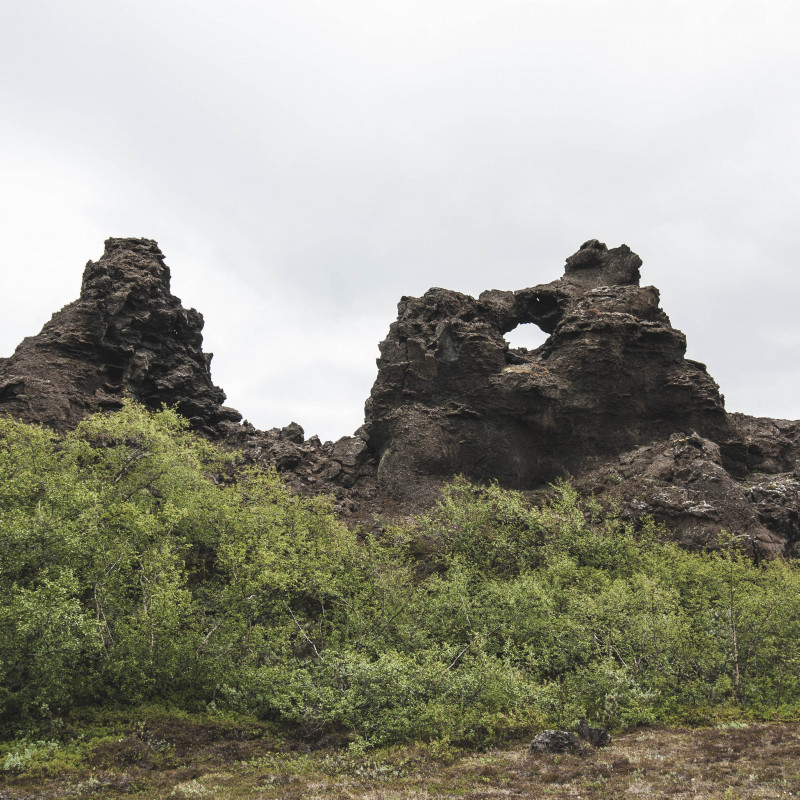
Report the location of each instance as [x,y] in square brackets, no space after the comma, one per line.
[159,755]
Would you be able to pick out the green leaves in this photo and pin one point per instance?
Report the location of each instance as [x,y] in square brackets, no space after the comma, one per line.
[137,563]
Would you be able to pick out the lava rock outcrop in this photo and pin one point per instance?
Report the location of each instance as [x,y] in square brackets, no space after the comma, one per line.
[452,397]
[128,336]
[608,400]
[125,336]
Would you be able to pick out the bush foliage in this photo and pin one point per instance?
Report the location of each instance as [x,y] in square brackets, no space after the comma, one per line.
[137,565]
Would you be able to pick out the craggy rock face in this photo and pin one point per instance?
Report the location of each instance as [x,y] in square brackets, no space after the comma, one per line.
[608,399]
[451,397]
[126,334]
[682,483]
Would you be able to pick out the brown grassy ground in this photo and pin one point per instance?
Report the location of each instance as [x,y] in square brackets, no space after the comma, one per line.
[179,759]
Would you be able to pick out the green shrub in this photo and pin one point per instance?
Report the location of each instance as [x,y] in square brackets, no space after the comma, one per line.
[137,565]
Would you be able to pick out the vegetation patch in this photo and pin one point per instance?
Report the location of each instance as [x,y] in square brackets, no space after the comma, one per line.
[759,761]
[160,608]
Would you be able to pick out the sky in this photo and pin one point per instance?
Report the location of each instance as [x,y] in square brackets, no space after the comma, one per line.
[305,163]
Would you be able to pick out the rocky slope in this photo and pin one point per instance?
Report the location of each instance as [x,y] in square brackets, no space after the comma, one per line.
[609,399]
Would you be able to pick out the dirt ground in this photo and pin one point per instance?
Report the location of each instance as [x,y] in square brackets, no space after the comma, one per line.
[169,759]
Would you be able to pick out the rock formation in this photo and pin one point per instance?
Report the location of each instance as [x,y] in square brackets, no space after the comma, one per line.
[128,336]
[125,335]
[609,399]
[451,397]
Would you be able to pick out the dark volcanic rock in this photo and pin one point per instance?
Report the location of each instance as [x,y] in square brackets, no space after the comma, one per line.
[609,399]
[760,444]
[125,335]
[682,483]
[597,737]
[128,336]
[344,469]
[451,397]
[551,741]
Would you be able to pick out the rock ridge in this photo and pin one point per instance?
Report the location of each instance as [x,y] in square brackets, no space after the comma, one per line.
[609,399]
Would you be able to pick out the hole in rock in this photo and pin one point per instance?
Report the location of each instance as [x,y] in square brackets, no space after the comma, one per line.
[114,374]
[526,335]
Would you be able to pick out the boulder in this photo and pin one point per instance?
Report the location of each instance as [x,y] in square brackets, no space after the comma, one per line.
[552,741]
[597,737]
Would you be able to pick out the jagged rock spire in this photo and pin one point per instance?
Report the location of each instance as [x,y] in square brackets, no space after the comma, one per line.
[125,335]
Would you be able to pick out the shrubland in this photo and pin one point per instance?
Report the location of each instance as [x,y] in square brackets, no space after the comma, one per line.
[141,566]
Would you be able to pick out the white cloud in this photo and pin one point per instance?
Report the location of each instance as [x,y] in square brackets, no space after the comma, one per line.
[305,164]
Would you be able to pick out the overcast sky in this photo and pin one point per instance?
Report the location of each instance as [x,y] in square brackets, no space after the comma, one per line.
[304,163]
